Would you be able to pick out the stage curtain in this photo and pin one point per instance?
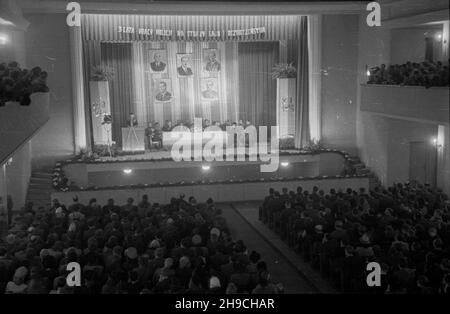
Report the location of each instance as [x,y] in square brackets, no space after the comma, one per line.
[257,89]
[118,56]
[302,132]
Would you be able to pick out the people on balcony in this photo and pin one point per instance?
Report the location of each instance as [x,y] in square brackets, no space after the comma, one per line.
[427,74]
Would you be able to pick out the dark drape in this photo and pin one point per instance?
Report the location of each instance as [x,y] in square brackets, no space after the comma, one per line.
[257,89]
[302,132]
[118,56]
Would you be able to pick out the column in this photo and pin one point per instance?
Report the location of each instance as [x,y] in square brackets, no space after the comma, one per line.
[79,118]
[3,202]
[443,158]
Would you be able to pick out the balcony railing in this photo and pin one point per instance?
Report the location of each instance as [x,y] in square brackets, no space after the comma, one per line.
[417,103]
[19,123]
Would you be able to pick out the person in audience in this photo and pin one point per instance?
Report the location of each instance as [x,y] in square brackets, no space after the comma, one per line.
[405,228]
[426,74]
[180,247]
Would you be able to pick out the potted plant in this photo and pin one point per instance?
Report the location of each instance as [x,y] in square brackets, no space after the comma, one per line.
[284,70]
[286,76]
[100,102]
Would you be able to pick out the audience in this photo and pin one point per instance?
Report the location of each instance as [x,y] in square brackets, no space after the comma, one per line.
[18,84]
[405,228]
[426,74]
[182,247]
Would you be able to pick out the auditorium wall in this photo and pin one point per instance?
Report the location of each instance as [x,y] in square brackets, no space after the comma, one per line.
[47,46]
[18,176]
[408,44]
[339,75]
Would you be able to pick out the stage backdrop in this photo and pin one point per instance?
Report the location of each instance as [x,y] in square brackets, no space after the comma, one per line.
[224,75]
[237,86]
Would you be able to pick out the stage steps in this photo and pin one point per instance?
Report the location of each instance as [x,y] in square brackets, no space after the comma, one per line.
[40,189]
[360,168]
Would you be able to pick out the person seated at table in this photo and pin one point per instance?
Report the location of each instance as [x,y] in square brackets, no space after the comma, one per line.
[206,123]
[225,124]
[167,126]
[148,135]
[157,134]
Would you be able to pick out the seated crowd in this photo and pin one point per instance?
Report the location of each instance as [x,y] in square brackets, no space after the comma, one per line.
[426,74]
[405,228]
[182,247]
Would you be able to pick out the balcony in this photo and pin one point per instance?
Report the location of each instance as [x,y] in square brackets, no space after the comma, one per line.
[19,123]
[414,103]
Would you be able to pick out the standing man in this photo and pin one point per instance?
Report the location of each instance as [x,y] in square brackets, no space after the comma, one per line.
[148,135]
[132,120]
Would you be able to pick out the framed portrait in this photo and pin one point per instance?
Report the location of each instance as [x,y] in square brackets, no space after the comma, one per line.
[184,64]
[209,89]
[211,60]
[163,90]
[158,60]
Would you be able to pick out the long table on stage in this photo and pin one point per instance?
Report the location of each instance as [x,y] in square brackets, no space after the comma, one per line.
[133,139]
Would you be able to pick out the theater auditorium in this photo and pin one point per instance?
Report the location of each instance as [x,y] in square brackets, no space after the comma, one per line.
[197,147]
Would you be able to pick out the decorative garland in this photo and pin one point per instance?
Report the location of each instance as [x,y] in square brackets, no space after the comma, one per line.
[60,181]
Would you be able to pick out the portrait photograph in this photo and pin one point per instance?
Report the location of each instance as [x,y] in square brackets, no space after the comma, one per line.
[158,60]
[163,90]
[209,89]
[184,64]
[210,60]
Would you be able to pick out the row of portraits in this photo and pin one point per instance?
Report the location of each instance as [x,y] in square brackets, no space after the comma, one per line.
[208,88]
[210,62]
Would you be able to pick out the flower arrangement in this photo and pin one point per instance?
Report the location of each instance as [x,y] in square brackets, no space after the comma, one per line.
[314,147]
[61,182]
[102,73]
[284,70]
[18,84]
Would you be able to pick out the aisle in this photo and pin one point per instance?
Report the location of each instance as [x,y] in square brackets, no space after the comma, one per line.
[280,268]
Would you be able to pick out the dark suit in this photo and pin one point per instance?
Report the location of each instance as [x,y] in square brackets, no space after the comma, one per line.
[184,72]
[212,66]
[166,96]
[135,123]
[158,67]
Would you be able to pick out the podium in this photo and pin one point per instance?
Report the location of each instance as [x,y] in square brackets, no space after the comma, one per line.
[133,139]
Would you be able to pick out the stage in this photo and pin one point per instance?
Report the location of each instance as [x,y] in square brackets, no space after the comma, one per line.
[156,174]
